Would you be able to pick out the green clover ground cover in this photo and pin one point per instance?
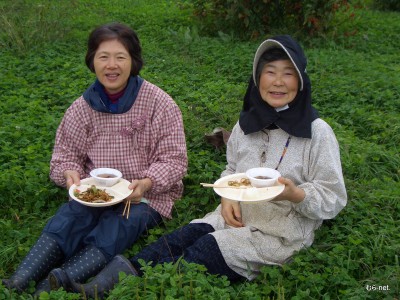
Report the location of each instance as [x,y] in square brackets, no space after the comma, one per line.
[356,88]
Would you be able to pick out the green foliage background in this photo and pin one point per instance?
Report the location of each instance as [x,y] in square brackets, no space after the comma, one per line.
[254,18]
[356,88]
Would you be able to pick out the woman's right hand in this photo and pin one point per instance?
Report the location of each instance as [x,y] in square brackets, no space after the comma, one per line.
[231,212]
[72,177]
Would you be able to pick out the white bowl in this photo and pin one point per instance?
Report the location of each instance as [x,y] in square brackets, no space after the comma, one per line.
[263,177]
[106,176]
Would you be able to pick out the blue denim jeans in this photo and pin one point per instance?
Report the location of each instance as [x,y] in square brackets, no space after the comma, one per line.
[75,226]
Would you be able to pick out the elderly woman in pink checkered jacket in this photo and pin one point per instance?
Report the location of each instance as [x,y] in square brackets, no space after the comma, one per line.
[124,122]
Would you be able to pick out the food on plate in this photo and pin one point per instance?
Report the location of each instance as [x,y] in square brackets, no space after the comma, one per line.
[239,182]
[93,194]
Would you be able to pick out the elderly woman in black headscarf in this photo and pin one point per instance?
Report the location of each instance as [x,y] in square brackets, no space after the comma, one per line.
[278,128]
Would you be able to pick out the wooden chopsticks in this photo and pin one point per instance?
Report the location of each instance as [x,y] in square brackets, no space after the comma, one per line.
[224,186]
[127,209]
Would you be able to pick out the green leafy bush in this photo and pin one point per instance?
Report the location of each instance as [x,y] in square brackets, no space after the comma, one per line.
[254,18]
[392,5]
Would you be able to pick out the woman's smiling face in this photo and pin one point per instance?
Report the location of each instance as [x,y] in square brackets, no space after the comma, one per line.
[279,83]
[112,65]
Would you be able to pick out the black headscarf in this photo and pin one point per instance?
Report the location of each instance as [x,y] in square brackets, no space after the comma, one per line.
[258,114]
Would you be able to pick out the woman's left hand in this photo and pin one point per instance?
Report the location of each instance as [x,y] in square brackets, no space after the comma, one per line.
[291,192]
[138,187]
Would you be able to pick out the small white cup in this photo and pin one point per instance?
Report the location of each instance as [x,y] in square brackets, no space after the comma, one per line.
[263,177]
[106,176]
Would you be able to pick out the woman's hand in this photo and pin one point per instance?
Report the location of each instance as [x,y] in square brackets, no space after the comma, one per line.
[72,177]
[231,212]
[291,192]
[139,187]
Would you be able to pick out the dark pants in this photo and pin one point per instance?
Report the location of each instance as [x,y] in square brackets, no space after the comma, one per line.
[192,242]
[75,226]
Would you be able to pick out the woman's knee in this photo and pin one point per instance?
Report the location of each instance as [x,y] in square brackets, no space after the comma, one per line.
[144,215]
[207,252]
[72,216]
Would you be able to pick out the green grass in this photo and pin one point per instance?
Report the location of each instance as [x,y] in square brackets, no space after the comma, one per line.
[356,88]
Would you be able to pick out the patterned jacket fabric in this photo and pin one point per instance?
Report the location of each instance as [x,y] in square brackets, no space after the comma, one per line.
[146,141]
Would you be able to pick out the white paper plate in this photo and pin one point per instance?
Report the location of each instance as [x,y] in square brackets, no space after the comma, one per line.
[250,194]
[119,190]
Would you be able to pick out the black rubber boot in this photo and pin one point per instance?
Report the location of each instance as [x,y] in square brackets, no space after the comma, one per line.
[43,256]
[106,279]
[88,262]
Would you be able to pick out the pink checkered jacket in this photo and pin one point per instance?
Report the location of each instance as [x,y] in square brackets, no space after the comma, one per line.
[146,141]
